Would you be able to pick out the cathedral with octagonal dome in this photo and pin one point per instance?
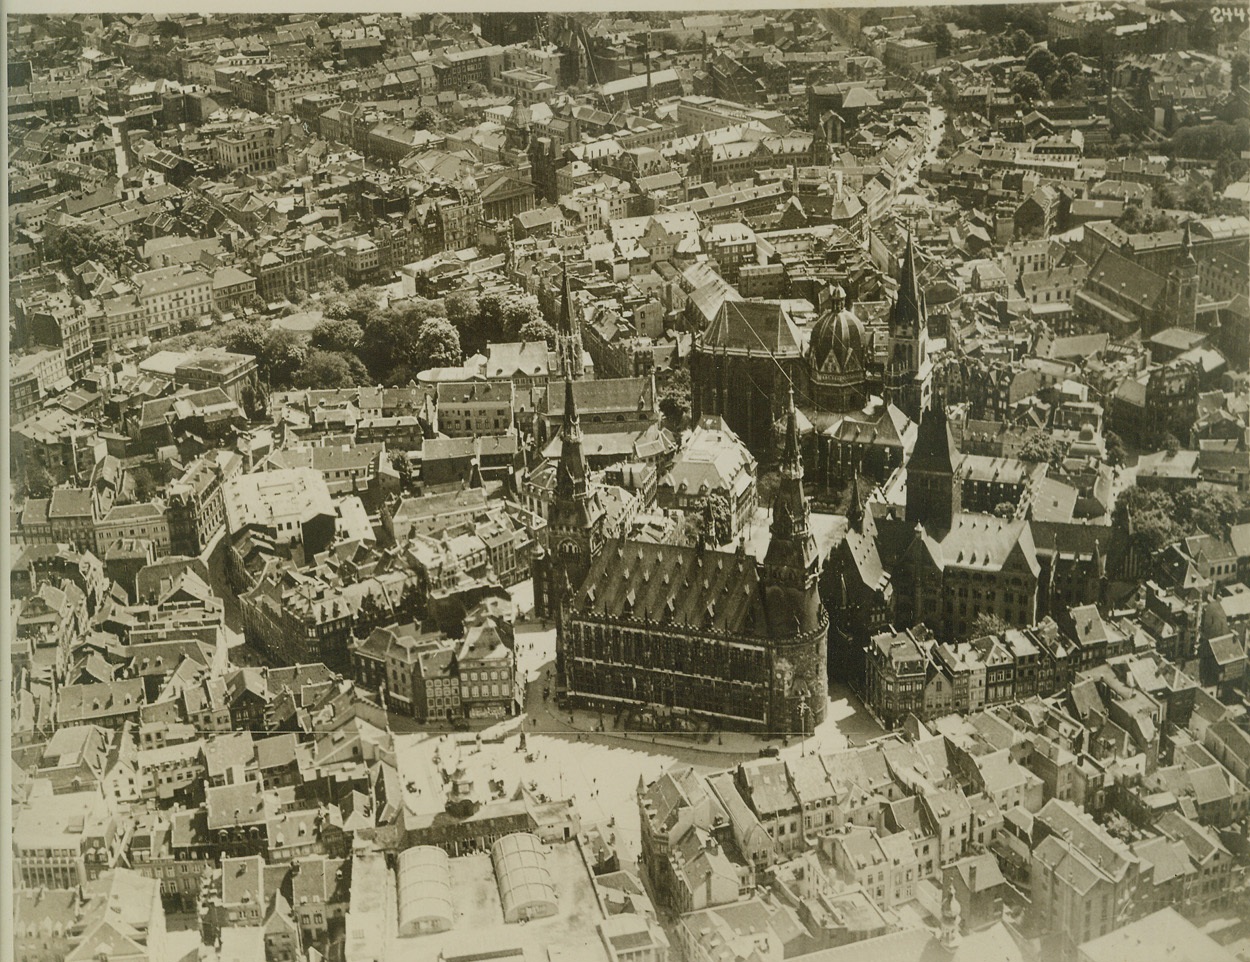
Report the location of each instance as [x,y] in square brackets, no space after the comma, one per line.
[838,357]
[860,375]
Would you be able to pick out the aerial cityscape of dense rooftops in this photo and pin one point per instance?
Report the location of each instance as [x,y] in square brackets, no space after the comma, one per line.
[570,487]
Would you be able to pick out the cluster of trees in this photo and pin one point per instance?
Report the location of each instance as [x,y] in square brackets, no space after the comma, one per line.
[391,345]
[1011,28]
[496,318]
[426,119]
[1197,195]
[411,605]
[1008,20]
[75,243]
[281,355]
[987,623]
[1117,453]
[1241,70]
[1209,25]
[1221,142]
[675,397]
[30,479]
[146,480]
[1160,518]
[360,341]
[1008,43]
[716,521]
[1137,220]
[712,525]
[143,480]
[1041,447]
[936,33]
[1209,141]
[1047,75]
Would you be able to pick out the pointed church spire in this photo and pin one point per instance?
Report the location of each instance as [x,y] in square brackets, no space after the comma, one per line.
[1187,245]
[790,528]
[855,510]
[568,331]
[792,563]
[907,312]
[933,489]
[935,448]
[571,425]
[566,308]
[909,366]
[791,465]
[571,472]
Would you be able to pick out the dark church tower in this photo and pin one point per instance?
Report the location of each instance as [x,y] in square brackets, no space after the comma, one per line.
[933,496]
[574,532]
[820,144]
[791,559]
[1182,288]
[907,370]
[797,623]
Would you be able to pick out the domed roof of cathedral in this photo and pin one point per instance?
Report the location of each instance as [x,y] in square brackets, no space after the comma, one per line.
[839,343]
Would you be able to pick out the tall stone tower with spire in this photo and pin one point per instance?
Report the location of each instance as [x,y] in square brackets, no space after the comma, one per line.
[798,625]
[821,153]
[1182,287]
[933,491]
[574,532]
[909,370]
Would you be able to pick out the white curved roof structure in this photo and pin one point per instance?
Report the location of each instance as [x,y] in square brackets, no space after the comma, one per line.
[525,887]
[424,891]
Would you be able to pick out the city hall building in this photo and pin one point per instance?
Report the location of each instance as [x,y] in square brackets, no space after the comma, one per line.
[722,637]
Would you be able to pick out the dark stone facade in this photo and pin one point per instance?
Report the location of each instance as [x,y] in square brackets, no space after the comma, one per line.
[717,637]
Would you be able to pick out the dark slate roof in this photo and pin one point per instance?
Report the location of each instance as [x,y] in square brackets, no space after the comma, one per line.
[1112,272]
[601,396]
[935,445]
[677,585]
[754,326]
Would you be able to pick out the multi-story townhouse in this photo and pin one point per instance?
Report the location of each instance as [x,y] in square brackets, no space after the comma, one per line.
[1086,883]
[247,148]
[152,855]
[128,522]
[63,841]
[411,669]
[487,672]
[172,297]
[32,377]
[213,367]
[296,618]
[473,408]
[766,789]
[195,503]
